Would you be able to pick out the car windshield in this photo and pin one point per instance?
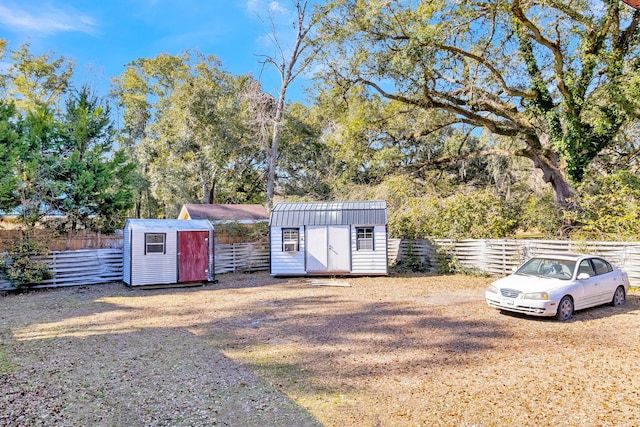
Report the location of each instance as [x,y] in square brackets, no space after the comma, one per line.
[548,267]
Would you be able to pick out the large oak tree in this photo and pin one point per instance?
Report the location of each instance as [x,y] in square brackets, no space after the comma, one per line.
[561,78]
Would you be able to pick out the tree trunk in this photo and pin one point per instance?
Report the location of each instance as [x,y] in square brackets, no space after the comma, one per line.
[273,155]
[552,174]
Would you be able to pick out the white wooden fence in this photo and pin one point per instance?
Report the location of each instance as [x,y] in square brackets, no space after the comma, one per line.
[496,257]
[241,257]
[499,256]
[82,267]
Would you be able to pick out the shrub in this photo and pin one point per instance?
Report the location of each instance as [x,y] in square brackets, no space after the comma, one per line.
[21,267]
[608,208]
[476,215]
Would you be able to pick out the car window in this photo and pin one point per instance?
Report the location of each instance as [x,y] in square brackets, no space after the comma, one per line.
[533,267]
[548,267]
[585,267]
[601,266]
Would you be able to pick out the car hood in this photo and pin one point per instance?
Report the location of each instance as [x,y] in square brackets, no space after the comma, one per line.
[530,283]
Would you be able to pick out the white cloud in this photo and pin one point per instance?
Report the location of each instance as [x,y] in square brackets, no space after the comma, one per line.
[261,6]
[253,5]
[45,20]
[276,7]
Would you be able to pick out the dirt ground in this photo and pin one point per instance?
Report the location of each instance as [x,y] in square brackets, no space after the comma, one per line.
[259,351]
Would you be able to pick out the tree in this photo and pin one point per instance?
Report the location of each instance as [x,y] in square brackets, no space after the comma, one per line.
[93,179]
[11,149]
[289,66]
[306,164]
[184,126]
[560,78]
[37,80]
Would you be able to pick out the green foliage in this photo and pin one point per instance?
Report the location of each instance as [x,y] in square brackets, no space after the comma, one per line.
[305,164]
[185,128]
[36,81]
[608,208]
[542,217]
[244,232]
[21,267]
[10,151]
[489,65]
[478,214]
[58,161]
[412,262]
[93,181]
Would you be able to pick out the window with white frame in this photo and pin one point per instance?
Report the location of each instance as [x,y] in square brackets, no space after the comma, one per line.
[290,239]
[364,238]
[155,243]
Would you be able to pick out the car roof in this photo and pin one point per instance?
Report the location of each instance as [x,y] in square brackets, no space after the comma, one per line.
[565,256]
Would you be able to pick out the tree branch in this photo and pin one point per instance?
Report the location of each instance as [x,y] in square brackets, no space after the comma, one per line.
[553,47]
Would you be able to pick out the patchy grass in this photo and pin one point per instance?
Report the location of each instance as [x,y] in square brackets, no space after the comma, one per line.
[408,350]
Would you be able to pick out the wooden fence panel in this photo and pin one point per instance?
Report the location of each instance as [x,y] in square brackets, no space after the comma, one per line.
[492,256]
[84,267]
[241,257]
[500,256]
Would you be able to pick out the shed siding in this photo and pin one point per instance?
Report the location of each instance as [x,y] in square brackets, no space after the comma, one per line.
[284,263]
[154,268]
[370,262]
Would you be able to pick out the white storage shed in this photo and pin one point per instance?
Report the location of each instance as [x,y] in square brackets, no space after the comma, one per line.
[167,251]
[328,238]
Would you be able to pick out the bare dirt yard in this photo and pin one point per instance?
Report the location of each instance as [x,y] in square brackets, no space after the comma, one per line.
[259,351]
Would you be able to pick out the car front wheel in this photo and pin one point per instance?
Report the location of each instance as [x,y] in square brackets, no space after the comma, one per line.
[618,297]
[565,309]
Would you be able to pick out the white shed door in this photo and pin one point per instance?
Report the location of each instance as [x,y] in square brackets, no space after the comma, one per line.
[316,245]
[339,249]
[328,249]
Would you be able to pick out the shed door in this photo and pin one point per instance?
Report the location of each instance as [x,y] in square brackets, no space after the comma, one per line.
[328,249]
[193,256]
[316,244]
[339,249]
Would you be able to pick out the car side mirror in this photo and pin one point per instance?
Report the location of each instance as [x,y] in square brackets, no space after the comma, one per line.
[583,276]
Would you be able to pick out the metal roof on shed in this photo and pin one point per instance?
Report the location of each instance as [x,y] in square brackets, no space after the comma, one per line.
[168,224]
[329,213]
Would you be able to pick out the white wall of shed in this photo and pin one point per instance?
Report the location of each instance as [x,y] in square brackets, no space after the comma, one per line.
[286,263]
[126,256]
[370,262]
[154,268]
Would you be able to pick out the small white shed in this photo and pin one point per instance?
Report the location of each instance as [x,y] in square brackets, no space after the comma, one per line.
[328,238]
[167,251]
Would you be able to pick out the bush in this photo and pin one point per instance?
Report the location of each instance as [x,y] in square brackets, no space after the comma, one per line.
[412,262]
[608,208]
[20,267]
[476,215]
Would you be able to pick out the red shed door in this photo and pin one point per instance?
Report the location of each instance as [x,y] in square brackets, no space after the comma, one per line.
[193,256]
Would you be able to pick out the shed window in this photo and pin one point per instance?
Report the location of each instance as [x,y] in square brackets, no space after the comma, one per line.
[155,243]
[290,239]
[364,238]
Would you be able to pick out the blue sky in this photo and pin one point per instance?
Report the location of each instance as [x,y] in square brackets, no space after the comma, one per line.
[101,36]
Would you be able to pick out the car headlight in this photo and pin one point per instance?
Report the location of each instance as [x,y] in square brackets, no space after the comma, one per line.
[492,289]
[537,295]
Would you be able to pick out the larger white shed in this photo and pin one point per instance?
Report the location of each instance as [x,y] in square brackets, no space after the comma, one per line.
[167,251]
[328,238]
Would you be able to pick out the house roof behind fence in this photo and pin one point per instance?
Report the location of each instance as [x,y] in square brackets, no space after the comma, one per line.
[329,213]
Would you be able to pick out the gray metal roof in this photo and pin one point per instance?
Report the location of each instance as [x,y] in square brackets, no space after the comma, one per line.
[329,213]
[168,224]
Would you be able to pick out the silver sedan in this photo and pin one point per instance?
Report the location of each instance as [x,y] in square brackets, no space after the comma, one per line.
[558,285]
